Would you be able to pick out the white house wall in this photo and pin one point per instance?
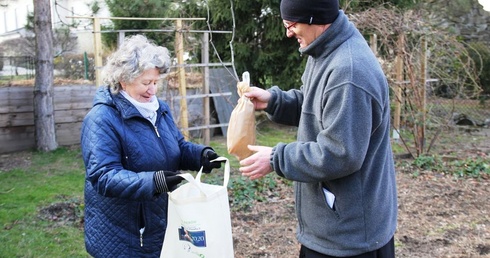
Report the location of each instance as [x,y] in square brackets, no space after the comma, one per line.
[85,42]
[13,18]
[14,15]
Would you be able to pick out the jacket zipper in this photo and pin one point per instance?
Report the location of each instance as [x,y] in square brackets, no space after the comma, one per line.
[156,131]
[164,149]
[142,230]
[141,224]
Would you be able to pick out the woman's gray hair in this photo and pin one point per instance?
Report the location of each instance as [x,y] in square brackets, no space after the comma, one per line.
[136,55]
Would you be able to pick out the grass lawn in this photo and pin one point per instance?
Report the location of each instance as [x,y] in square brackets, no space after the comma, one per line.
[53,179]
[41,204]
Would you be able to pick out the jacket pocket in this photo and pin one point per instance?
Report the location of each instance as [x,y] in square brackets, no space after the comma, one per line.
[329,198]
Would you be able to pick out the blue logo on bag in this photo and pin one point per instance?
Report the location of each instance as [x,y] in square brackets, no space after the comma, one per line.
[197,238]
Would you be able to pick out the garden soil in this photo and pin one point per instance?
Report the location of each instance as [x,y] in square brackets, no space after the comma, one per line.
[440,215]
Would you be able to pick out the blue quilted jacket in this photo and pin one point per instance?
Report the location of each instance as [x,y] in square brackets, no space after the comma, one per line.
[122,150]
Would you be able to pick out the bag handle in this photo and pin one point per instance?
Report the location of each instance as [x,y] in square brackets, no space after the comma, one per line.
[226,173]
[246,77]
[197,181]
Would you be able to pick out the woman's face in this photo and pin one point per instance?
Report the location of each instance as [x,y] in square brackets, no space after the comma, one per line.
[144,87]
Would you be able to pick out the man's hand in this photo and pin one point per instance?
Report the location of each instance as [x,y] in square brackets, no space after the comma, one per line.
[258,164]
[259,97]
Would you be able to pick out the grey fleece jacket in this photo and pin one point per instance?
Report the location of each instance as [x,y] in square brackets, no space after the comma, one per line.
[343,145]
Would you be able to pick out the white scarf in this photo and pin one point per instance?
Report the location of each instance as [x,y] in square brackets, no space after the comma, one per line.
[147,110]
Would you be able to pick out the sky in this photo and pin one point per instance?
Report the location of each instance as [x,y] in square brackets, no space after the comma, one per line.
[486,4]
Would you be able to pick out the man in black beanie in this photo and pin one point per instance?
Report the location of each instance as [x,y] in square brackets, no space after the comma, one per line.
[310,12]
[342,162]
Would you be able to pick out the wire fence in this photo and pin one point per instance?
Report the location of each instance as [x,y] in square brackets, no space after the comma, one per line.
[457,111]
[17,68]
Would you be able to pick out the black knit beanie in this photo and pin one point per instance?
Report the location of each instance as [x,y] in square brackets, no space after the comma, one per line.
[310,11]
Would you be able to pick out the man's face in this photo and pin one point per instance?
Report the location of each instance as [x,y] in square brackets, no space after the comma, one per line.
[304,33]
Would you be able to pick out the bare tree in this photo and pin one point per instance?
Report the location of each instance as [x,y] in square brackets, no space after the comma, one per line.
[43,86]
[405,40]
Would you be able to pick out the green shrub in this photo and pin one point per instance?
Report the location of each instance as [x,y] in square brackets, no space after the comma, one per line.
[471,167]
[73,66]
[427,162]
[244,192]
[480,53]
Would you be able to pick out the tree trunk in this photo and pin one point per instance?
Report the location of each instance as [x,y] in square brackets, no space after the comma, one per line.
[43,86]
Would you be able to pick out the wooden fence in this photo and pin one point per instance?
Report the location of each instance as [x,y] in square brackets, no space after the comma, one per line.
[71,104]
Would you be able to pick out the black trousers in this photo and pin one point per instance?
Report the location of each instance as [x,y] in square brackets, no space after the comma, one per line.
[387,251]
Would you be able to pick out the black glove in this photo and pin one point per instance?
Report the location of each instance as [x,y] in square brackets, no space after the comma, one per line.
[166,181]
[208,154]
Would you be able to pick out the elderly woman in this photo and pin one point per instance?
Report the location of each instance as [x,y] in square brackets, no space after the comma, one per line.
[132,152]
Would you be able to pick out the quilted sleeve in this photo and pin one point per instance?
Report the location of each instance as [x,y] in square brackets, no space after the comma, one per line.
[102,154]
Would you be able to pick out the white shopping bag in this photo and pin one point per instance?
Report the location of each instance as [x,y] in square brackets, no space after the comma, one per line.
[199,223]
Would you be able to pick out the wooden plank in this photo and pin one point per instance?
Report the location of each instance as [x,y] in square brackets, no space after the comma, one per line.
[15,93]
[17,119]
[77,105]
[22,137]
[179,49]
[16,100]
[21,144]
[16,139]
[75,90]
[8,109]
[17,130]
[81,97]
[70,116]
[9,92]
[27,118]
[71,104]
[71,101]
[68,133]
[80,88]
